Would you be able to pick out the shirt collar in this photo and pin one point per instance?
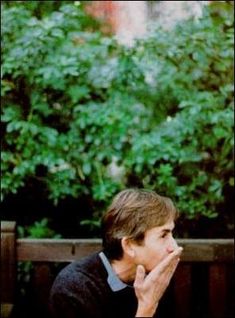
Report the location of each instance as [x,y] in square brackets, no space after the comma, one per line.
[113,280]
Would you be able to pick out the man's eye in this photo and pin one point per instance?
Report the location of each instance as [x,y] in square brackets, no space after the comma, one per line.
[164,235]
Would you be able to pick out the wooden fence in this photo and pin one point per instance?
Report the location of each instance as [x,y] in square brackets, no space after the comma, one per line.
[203,285]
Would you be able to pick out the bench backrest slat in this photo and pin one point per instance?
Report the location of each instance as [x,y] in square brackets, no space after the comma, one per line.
[67,250]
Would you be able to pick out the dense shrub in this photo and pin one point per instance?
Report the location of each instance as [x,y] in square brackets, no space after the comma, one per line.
[87,116]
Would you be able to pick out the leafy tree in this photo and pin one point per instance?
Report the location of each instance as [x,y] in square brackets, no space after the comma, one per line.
[85,115]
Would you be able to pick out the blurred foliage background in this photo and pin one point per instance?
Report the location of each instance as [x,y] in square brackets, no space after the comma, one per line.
[84,117]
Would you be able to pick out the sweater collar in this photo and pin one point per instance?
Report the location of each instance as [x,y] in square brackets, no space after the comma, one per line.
[113,280]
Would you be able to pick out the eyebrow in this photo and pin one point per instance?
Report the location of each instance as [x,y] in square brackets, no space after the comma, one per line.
[167,229]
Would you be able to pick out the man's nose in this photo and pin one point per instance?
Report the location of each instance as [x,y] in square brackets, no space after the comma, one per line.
[172,245]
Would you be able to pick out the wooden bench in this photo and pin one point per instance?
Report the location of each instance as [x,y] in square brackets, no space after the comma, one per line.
[203,285]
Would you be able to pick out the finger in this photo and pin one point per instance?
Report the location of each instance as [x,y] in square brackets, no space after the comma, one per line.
[173,267]
[140,275]
[168,272]
[170,259]
[167,263]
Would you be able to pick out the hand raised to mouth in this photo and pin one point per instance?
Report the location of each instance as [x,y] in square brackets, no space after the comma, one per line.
[150,288]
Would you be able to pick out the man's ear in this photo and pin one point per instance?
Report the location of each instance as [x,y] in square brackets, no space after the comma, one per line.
[128,246]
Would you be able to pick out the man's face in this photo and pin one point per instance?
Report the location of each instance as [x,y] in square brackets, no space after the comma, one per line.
[157,244]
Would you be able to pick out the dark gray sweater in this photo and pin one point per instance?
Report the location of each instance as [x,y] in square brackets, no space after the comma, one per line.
[81,290]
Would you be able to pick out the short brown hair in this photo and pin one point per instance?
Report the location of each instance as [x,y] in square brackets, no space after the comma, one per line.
[131,213]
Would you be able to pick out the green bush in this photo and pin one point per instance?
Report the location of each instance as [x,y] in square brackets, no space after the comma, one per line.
[85,115]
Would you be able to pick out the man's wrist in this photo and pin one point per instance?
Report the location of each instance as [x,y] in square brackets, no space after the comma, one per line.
[143,311]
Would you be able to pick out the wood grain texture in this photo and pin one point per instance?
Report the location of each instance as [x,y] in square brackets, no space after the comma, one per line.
[67,250]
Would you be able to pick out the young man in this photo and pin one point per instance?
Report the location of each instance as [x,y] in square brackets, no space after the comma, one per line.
[130,275]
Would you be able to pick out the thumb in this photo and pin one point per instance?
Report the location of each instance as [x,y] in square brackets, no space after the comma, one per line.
[139,276]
